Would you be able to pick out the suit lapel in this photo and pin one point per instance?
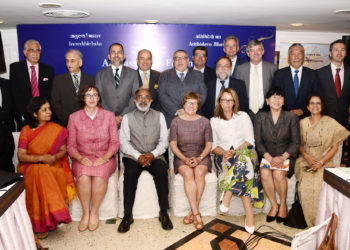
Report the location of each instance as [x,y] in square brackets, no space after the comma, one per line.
[110,76]
[330,79]
[265,75]
[27,83]
[247,83]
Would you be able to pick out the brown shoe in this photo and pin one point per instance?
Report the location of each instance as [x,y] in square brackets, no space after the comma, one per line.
[188,219]
[198,224]
[43,235]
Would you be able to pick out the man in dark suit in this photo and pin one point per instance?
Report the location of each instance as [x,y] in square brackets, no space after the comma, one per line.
[296,81]
[65,88]
[231,47]
[175,83]
[148,78]
[7,125]
[29,78]
[257,75]
[223,80]
[117,84]
[335,86]
[200,57]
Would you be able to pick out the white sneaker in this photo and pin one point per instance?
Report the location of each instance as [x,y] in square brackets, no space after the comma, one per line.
[223,209]
[249,229]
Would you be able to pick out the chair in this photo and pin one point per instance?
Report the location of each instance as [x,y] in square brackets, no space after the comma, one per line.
[146,199]
[178,199]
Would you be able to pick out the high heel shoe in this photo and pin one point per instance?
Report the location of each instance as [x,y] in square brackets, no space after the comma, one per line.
[198,225]
[188,219]
[280,219]
[271,218]
[223,208]
[249,229]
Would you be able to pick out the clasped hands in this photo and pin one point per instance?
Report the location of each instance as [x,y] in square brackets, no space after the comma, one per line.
[193,161]
[87,162]
[145,159]
[228,154]
[276,162]
[314,164]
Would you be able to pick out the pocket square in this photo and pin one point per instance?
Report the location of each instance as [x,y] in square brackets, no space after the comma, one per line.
[45,79]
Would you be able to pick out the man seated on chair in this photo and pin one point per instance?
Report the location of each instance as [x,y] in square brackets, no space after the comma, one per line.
[143,140]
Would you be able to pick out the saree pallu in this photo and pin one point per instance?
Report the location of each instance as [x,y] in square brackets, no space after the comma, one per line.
[240,175]
[48,187]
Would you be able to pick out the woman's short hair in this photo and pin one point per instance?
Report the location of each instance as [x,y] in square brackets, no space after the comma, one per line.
[274,90]
[192,95]
[82,92]
[218,112]
[33,108]
[323,104]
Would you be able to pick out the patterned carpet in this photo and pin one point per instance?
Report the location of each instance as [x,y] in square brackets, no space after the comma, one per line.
[219,234]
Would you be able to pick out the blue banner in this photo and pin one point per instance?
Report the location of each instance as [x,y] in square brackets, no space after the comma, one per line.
[93,40]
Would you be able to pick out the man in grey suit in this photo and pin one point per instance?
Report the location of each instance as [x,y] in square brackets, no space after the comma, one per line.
[65,88]
[175,83]
[257,75]
[117,84]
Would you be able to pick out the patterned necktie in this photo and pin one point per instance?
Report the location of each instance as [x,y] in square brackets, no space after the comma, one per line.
[337,82]
[222,85]
[254,99]
[34,82]
[296,82]
[182,76]
[116,77]
[76,83]
[145,79]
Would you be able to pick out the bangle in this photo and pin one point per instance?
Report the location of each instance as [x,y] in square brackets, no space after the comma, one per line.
[201,157]
[322,162]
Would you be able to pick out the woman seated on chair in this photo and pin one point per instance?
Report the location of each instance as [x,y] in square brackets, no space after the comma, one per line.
[44,163]
[191,142]
[92,144]
[320,136]
[277,139]
[235,158]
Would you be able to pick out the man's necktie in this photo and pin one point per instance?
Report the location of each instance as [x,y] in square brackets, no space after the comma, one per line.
[34,82]
[116,77]
[145,79]
[337,82]
[222,85]
[182,76]
[76,83]
[254,100]
[296,82]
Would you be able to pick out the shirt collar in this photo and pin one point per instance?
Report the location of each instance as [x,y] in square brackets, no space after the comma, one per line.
[84,115]
[179,72]
[78,74]
[335,67]
[201,70]
[253,65]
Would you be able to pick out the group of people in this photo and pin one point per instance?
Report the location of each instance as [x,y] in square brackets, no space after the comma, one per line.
[261,124]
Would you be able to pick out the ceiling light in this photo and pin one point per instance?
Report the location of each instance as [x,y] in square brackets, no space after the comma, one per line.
[1,21]
[151,21]
[297,24]
[50,5]
[346,11]
[66,13]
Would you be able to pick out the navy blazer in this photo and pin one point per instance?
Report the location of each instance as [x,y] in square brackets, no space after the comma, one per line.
[237,85]
[284,79]
[238,62]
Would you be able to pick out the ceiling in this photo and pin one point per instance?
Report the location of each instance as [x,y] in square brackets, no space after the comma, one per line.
[317,15]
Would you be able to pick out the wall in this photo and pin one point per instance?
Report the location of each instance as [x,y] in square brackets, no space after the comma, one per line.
[9,39]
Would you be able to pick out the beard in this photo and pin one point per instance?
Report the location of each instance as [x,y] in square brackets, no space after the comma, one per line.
[222,76]
[145,108]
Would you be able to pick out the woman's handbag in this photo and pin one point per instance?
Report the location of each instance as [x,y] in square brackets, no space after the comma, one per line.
[295,217]
[328,242]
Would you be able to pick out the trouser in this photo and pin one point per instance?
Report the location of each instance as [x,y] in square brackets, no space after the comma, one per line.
[132,172]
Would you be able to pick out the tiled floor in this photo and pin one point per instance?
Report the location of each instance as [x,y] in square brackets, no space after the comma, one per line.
[144,234]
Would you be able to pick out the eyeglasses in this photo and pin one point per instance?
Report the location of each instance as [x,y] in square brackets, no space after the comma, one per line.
[226,101]
[91,96]
[200,55]
[34,50]
[192,103]
[143,97]
[180,58]
[223,66]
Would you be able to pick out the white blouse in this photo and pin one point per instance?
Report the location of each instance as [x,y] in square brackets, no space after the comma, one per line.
[234,132]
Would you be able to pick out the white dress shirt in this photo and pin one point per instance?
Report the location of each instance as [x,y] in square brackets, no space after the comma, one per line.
[114,68]
[341,73]
[234,132]
[261,88]
[30,70]
[299,73]
[141,73]
[127,148]
[234,61]
[201,70]
[178,73]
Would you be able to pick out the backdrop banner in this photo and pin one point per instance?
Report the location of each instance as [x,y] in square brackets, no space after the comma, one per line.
[93,40]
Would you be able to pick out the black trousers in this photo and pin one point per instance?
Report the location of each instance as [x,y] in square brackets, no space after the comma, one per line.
[132,172]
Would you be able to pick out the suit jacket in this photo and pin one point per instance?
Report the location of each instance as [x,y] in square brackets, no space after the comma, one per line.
[118,100]
[337,107]
[210,102]
[64,99]
[284,136]
[6,108]
[153,87]
[238,62]
[21,87]
[172,90]
[308,84]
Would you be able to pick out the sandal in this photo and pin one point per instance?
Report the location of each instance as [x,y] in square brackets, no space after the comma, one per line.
[198,225]
[188,219]
[43,235]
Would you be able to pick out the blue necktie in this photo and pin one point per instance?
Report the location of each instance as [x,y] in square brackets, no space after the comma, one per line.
[296,82]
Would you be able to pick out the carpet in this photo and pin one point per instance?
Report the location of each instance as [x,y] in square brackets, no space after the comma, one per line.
[219,234]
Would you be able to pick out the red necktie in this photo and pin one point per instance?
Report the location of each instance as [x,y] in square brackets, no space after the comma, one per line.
[34,82]
[337,82]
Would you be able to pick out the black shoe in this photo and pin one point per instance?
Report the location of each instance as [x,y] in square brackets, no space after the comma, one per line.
[165,221]
[271,218]
[280,219]
[124,226]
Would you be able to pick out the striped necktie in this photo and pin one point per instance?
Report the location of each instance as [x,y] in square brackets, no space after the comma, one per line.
[34,82]
[117,78]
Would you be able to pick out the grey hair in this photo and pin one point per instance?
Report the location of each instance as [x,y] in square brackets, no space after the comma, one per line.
[76,51]
[231,38]
[25,47]
[144,50]
[296,45]
[253,43]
